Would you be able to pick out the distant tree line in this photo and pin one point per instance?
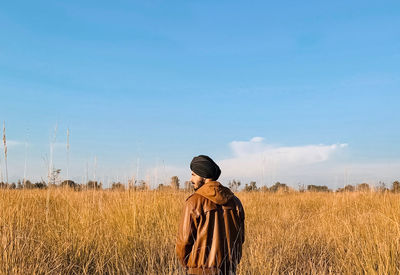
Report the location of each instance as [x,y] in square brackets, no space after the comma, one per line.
[43,185]
[283,187]
[174,184]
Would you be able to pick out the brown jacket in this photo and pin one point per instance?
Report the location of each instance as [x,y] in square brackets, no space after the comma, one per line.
[211,232]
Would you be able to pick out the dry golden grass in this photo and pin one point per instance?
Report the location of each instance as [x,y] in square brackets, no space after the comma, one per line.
[65,232]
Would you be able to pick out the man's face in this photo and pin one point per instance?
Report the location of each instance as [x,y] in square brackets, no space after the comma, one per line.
[196,180]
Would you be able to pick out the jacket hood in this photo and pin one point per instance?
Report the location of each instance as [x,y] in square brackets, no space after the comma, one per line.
[215,192]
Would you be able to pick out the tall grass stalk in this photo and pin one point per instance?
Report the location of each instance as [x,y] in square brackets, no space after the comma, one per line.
[5,149]
[25,160]
[1,170]
[94,168]
[50,172]
[67,148]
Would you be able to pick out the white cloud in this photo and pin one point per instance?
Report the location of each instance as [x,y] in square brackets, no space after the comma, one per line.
[309,164]
[241,148]
[255,159]
[257,139]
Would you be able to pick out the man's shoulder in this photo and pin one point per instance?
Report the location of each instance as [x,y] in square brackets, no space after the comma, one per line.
[237,200]
[194,198]
[188,198]
[195,203]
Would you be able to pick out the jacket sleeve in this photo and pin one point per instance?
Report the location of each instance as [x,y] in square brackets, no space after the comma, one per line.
[186,234]
[243,227]
[241,217]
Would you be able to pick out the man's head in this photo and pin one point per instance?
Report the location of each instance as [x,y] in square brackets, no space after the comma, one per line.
[204,169]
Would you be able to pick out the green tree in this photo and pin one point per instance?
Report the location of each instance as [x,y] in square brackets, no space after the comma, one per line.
[94,185]
[142,186]
[396,187]
[234,185]
[27,184]
[189,186]
[117,186]
[282,187]
[175,182]
[69,183]
[363,187]
[40,185]
[54,177]
[347,188]
[318,188]
[252,186]
[382,187]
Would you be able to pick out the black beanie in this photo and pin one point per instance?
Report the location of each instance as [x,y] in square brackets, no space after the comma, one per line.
[205,167]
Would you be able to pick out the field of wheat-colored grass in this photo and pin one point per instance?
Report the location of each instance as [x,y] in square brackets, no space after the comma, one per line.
[59,231]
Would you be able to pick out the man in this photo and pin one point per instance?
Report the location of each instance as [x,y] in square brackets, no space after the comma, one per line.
[211,232]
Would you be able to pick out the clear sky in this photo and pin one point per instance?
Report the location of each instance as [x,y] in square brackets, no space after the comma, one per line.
[301,92]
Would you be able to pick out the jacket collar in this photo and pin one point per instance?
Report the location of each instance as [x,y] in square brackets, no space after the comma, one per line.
[215,192]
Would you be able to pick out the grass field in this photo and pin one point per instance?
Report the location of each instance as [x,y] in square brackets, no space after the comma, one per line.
[59,231]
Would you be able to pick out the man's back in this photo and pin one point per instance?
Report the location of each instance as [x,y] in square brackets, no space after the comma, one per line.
[212,231]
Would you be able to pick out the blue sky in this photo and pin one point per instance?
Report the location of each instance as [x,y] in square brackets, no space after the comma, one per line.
[163,81]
